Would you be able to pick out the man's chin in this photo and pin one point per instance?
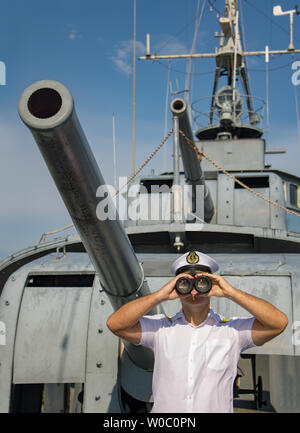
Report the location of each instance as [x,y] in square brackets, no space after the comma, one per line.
[198,299]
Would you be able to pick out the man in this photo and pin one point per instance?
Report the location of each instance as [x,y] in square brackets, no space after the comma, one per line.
[196,352]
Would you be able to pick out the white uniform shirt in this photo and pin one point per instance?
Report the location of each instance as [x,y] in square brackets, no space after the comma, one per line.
[195,366]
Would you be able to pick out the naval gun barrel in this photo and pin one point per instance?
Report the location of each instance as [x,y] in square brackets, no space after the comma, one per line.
[47,108]
[191,165]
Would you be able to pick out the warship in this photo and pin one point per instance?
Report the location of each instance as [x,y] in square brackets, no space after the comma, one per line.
[56,352]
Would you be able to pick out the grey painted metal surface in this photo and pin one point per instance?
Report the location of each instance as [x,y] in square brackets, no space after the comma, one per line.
[192,168]
[234,155]
[10,303]
[47,108]
[50,344]
[136,381]
[284,372]
[59,335]
[274,277]
[102,352]
[239,207]
[225,207]
[191,165]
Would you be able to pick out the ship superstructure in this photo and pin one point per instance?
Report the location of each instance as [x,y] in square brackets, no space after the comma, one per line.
[221,198]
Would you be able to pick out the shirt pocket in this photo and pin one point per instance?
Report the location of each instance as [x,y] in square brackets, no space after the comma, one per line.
[217,354]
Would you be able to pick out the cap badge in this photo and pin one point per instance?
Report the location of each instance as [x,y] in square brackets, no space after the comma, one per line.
[192,258]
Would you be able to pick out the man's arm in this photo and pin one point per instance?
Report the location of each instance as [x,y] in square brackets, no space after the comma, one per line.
[269,321]
[125,321]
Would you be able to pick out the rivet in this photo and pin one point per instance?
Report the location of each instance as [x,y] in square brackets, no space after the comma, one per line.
[99,364]
[7,303]
[100,331]
[102,302]
[97,397]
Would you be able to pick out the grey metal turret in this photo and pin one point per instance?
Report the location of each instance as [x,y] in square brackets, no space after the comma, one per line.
[191,165]
[47,108]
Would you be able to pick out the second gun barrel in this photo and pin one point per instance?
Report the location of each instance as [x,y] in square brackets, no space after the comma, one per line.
[192,167]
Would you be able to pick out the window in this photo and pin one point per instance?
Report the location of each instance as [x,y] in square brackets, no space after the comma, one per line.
[157,185]
[253,182]
[61,280]
[294,195]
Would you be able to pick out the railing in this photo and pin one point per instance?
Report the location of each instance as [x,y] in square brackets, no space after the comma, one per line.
[203,118]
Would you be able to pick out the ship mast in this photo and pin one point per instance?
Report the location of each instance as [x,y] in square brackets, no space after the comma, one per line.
[227,102]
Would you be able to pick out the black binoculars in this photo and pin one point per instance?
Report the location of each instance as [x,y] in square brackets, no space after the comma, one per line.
[202,284]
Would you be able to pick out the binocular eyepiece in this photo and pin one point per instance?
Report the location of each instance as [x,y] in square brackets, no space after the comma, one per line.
[202,284]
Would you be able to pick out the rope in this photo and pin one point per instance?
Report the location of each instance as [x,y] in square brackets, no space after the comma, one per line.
[201,154]
[53,232]
[145,163]
[123,186]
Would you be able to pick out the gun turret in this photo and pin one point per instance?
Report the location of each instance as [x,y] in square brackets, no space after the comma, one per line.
[47,108]
[191,165]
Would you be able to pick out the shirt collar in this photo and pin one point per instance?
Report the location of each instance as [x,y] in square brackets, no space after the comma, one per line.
[210,317]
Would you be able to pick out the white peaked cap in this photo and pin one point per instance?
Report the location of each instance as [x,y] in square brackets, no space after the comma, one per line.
[194,258]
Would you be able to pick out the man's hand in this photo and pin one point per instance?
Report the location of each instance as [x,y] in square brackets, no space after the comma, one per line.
[220,287]
[169,292]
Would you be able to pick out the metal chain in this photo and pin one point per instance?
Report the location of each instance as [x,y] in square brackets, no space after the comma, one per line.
[201,154]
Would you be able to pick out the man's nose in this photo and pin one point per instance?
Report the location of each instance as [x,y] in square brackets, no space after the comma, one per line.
[194,292]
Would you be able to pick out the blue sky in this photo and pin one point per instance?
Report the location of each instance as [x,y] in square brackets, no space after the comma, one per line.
[87,45]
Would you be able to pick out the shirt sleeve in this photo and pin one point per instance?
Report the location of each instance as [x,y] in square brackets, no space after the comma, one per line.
[244,328]
[150,326]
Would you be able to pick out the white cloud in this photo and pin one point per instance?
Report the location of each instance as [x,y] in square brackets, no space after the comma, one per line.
[170,45]
[123,55]
[123,52]
[74,34]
